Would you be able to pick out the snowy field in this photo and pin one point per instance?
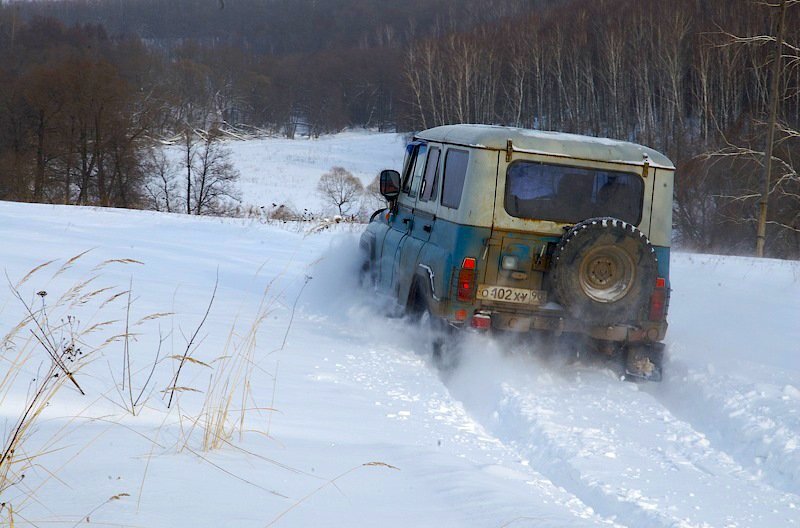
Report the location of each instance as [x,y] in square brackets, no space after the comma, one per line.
[301,405]
[286,171]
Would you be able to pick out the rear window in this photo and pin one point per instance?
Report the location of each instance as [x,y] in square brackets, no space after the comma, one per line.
[570,194]
[455,170]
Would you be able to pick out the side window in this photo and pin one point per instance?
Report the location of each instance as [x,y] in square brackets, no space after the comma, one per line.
[408,165]
[431,178]
[414,171]
[455,171]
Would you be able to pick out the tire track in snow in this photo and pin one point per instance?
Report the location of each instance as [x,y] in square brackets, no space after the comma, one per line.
[615,447]
[407,389]
[755,422]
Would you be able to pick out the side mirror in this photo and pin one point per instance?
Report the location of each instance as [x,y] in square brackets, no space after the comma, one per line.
[390,184]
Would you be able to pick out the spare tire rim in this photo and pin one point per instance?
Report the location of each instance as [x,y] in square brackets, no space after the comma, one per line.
[607,274]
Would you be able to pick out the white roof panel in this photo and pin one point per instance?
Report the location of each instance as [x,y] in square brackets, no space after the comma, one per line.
[547,143]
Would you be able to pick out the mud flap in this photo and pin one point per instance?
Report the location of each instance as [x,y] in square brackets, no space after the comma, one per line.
[643,362]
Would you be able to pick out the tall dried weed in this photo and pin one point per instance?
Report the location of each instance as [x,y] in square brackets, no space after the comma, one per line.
[40,356]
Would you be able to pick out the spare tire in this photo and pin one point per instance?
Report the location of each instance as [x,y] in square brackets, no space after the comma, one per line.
[604,271]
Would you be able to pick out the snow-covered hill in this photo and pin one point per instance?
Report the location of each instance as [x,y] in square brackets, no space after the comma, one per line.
[286,171]
[346,422]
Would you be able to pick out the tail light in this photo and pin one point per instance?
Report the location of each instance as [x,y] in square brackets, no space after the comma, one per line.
[466,280]
[658,300]
[481,321]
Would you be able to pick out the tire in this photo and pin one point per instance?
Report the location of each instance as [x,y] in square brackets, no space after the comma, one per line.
[366,277]
[644,362]
[604,271]
[437,335]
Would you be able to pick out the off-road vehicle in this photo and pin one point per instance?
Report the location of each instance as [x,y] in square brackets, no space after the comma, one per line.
[507,229]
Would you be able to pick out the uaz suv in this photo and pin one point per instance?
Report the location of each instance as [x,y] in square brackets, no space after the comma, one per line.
[507,229]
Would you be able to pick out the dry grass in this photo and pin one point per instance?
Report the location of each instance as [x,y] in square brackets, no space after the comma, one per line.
[44,352]
[228,397]
[331,482]
[191,344]
[42,356]
[133,398]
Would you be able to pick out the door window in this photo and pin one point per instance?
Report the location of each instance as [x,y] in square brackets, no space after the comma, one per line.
[431,177]
[415,169]
[455,171]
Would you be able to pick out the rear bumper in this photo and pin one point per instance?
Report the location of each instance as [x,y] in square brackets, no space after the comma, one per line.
[560,323]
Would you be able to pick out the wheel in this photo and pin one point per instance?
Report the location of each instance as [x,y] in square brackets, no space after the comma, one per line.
[604,271]
[438,336]
[433,332]
[643,362]
[365,276]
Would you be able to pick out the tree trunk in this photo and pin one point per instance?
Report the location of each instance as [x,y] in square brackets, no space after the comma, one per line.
[773,113]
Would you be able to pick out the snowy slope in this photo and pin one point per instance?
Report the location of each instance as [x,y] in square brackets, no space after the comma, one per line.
[343,398]
[346,421]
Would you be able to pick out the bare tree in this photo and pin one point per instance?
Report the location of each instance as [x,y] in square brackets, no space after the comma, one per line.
[188,155]
[161,187]
[214,176]
[372,199]
[781,193]
[208,178]
[338,187]
[773,111]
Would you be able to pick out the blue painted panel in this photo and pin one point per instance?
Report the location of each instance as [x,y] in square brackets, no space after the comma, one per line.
[662,254]
[449,244]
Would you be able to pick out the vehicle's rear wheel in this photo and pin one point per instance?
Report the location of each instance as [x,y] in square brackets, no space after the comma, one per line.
[604,271]
[643,361]
[438,336]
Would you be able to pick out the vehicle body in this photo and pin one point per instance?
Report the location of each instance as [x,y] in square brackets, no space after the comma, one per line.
[519,230]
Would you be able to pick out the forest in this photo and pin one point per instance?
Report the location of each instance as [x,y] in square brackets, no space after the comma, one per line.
[89,88]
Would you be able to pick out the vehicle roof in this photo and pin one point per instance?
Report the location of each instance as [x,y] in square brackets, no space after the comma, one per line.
[549,143]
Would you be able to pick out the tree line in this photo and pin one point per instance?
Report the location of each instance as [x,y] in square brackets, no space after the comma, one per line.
[84,119]
[688,78]
[82,103]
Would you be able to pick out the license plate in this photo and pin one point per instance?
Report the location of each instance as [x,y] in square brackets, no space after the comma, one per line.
[512,295]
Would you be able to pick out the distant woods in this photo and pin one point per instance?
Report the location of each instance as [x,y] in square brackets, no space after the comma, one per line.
[81,103]
[690,78]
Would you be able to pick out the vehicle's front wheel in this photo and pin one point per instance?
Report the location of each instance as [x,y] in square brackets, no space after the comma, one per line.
[364,274]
